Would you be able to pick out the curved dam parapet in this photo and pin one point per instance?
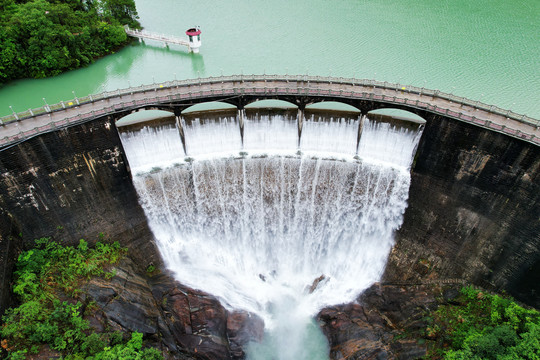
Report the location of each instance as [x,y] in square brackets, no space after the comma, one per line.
[474,198]
[241,90]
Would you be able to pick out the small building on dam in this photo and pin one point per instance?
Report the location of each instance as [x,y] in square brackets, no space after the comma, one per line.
[472,212]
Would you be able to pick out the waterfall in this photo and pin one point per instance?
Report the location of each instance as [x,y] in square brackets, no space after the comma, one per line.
[270,133]
[281,236]
[152,147]
[388,143]
[212,136]
[332,134]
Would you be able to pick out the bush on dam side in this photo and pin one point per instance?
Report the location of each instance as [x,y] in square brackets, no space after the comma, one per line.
[477,325]
[51,317]
[40,38]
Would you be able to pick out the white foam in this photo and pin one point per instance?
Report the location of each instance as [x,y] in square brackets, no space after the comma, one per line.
[388,143]
[336,134]
[257,232]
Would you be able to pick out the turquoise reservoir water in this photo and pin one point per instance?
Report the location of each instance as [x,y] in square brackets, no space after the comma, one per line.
[486,50]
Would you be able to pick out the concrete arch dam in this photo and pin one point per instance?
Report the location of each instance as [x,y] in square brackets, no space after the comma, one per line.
[473,200]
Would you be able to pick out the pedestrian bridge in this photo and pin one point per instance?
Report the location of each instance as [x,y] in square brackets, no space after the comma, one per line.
[240,90]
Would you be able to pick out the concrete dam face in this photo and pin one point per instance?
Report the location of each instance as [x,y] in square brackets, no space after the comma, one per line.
[254,205]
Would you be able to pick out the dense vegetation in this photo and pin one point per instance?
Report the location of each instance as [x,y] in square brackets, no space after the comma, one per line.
[50,317]
[40,38]
[477,326]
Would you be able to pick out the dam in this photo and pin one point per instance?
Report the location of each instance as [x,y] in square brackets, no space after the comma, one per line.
[462,195]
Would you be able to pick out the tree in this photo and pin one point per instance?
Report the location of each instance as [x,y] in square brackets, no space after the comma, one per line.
[8,58]
[40,38]
[122,11]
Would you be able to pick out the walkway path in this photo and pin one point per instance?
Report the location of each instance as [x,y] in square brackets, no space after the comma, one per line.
[18,127]
[166,39]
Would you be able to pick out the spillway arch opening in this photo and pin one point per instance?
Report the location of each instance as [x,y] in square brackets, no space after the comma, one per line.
[271,104]
[248,208]
[335,106]
[218,129]
[142,117]
[397,115]
[208,106]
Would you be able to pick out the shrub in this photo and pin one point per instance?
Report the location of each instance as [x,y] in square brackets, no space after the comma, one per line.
[93,345]
[45,275]
[485,326]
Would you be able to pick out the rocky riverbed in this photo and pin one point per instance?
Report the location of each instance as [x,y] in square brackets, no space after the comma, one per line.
[379,324]
[189,324]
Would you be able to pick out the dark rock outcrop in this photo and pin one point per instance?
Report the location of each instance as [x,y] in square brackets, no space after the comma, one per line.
[316,283]
[126,300]
[372,328]
[183,322]
[243,327]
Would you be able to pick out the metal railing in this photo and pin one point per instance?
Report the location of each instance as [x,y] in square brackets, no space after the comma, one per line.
[181,90]
[143,34]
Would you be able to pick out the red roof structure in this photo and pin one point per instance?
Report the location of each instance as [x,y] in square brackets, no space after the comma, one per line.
[193,32]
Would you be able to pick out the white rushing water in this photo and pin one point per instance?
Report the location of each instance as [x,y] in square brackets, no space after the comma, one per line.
[388,143]
[152,147]
[337,134]
[264,133]
[258,232]
[212,136]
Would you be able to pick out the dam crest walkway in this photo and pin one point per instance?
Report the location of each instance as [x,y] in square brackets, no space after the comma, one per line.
[21,126]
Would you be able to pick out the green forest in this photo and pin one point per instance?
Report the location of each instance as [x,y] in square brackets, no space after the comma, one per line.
[40,38]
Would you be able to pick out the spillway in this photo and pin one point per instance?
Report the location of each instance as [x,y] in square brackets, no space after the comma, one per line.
[265,132]
[330,133]
[245,216]
[211,135]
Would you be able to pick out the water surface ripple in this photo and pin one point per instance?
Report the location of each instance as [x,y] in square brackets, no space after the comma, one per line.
[486,50]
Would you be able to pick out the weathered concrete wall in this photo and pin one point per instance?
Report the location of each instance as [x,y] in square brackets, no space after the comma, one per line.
[10,246]
[72,184]
[474,208]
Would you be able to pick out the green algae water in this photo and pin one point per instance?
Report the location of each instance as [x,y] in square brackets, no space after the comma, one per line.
[485,50]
